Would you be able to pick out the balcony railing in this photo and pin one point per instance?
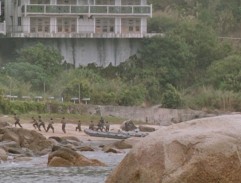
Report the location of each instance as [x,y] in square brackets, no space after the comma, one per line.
[143,10]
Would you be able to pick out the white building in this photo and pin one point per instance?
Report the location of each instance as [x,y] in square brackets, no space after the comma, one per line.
[2,22]
[77,18]
[84,31]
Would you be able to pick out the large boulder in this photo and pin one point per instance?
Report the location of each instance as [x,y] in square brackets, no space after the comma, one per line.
[64,157]
[24,138]
[4,124]
[200,151]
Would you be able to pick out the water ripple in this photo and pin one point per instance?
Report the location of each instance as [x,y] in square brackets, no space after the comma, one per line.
[36,171]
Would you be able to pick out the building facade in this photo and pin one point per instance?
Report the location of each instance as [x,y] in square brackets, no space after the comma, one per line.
[102,32]
[2,19]
[77,18]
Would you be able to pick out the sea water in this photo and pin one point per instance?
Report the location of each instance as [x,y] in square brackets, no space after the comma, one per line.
[37,171]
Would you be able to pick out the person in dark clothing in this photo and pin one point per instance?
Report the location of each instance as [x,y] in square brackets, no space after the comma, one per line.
[63,124]
[41,123]
[107,126]
[50,125]
[102,122]
[35,123]
[17,121]
[78,126]
[100,125]
[92,125]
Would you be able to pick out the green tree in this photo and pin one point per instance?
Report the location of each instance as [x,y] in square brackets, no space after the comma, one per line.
[47,58]
[167,58]
[161,24]
[28,73]
[132,96]
[4,104]
[225,74]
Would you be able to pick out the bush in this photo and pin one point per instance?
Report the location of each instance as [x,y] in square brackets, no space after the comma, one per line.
[171,98]
[132,96]
[211,99]
[25,107]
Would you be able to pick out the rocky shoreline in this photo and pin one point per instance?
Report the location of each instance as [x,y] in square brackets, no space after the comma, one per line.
[23,144]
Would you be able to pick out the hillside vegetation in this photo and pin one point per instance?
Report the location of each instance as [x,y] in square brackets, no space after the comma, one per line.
[189,67]
[222,15]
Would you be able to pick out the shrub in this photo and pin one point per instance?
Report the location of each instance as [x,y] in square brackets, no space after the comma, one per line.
[171,97]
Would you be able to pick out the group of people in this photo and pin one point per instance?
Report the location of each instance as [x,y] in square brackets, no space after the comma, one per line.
[37,124]
[102,125]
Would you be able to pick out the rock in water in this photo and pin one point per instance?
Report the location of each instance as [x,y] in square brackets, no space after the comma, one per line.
[3,155]
[64,157]
[199,151]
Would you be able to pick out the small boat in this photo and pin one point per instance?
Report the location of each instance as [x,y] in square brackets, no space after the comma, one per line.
[114,135]
[135,133]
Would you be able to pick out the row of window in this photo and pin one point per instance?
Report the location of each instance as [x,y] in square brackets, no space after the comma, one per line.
[97,2]
[68,25]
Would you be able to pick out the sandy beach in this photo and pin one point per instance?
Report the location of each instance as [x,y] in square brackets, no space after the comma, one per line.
[70,129]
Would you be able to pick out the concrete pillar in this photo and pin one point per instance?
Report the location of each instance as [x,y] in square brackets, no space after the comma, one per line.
[143,25]
[118,2]
[53,1]
[117,25]
[94,26]
[53,25]
[77,25]
[26,24]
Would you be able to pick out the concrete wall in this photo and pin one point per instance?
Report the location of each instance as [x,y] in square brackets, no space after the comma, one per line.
[153,115]
[80,51]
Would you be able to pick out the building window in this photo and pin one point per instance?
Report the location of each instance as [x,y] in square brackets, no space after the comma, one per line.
[105,25]
[66,25]
[73,2]
[39,1]
[19,21]
[130,25]
[39,24]
[104,2]
[83,2]
[132,2]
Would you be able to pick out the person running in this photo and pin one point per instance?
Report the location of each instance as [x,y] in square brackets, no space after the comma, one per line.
[63,124]
[78,126]
[107,126]
[17,121]
[35,123]
[50,125]
[41,123]
[92,125]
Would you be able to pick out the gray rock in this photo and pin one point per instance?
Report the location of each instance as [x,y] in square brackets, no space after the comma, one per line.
[64,157]
[28,139]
